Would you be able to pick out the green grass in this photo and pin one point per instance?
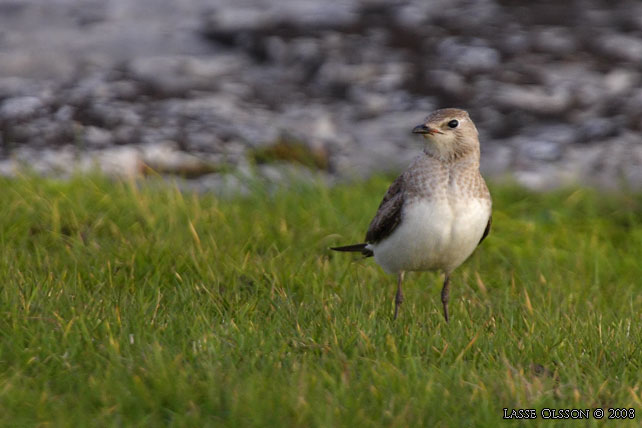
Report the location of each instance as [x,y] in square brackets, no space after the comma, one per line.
[137,305]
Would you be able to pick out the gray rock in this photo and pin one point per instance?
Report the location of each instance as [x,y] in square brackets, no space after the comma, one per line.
[64,113]
[633,173]
[496,160]
[165,158]
[347,79]
[545,177]
[517,40]
[555,40]
[124,161]
[620,46]
[469,58]
[238,19]
[124,89]
[621,81]
[47,162]
[543,143]
[598,129]
[616,157]
[542,150]
[40,132]
[95,137]
[451,82]
[16,86]
[533,99]
[126,135]
[20,108]
[7,168]
[561,133]
[202,140]
[177,74]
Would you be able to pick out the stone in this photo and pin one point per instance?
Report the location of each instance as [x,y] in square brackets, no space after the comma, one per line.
[20,108]
[451,82]
[542,150]
[620,46]
[598,129]
[165,158]
[555,40]
[496,161]
[471,58]
[533,99]
[190,85]
[65,113]
[621,81]
[95,137]
[7,168]
[544,142]
[123,161]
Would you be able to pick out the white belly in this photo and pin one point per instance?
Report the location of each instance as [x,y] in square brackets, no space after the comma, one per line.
[438,234]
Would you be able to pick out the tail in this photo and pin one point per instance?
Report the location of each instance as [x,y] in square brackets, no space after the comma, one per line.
[356,248]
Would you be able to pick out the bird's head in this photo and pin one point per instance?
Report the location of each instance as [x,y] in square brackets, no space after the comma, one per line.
[449,133]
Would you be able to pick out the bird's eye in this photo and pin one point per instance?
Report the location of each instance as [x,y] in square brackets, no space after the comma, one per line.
[453,123]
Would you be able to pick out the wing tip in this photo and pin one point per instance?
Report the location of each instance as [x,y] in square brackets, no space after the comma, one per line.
[355,248]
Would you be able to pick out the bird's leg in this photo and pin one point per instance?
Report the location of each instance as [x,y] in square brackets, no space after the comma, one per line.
[445,294]
[399,294]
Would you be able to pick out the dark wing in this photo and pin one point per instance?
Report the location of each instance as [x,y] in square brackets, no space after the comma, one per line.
[389,213]
[487,230]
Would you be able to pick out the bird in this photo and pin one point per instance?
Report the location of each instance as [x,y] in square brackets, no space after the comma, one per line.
[435,213]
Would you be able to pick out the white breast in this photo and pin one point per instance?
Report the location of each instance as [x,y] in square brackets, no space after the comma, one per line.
[434,234]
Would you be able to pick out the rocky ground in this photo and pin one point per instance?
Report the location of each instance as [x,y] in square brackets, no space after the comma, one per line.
[219,91]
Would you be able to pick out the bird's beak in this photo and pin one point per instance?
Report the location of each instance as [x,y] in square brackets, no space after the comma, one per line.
[425,129]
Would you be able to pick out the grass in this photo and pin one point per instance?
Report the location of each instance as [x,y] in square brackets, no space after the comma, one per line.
[137,305]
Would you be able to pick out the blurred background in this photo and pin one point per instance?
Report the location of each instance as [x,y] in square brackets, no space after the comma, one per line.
[215,91]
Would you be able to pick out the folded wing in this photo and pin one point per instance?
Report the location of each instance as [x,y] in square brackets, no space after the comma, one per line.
[388,215]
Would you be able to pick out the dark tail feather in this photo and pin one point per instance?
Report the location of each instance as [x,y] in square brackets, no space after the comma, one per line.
[350,248]
[357,248]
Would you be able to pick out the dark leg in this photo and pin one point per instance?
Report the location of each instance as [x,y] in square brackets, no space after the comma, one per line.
[445,294]
[399,295]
